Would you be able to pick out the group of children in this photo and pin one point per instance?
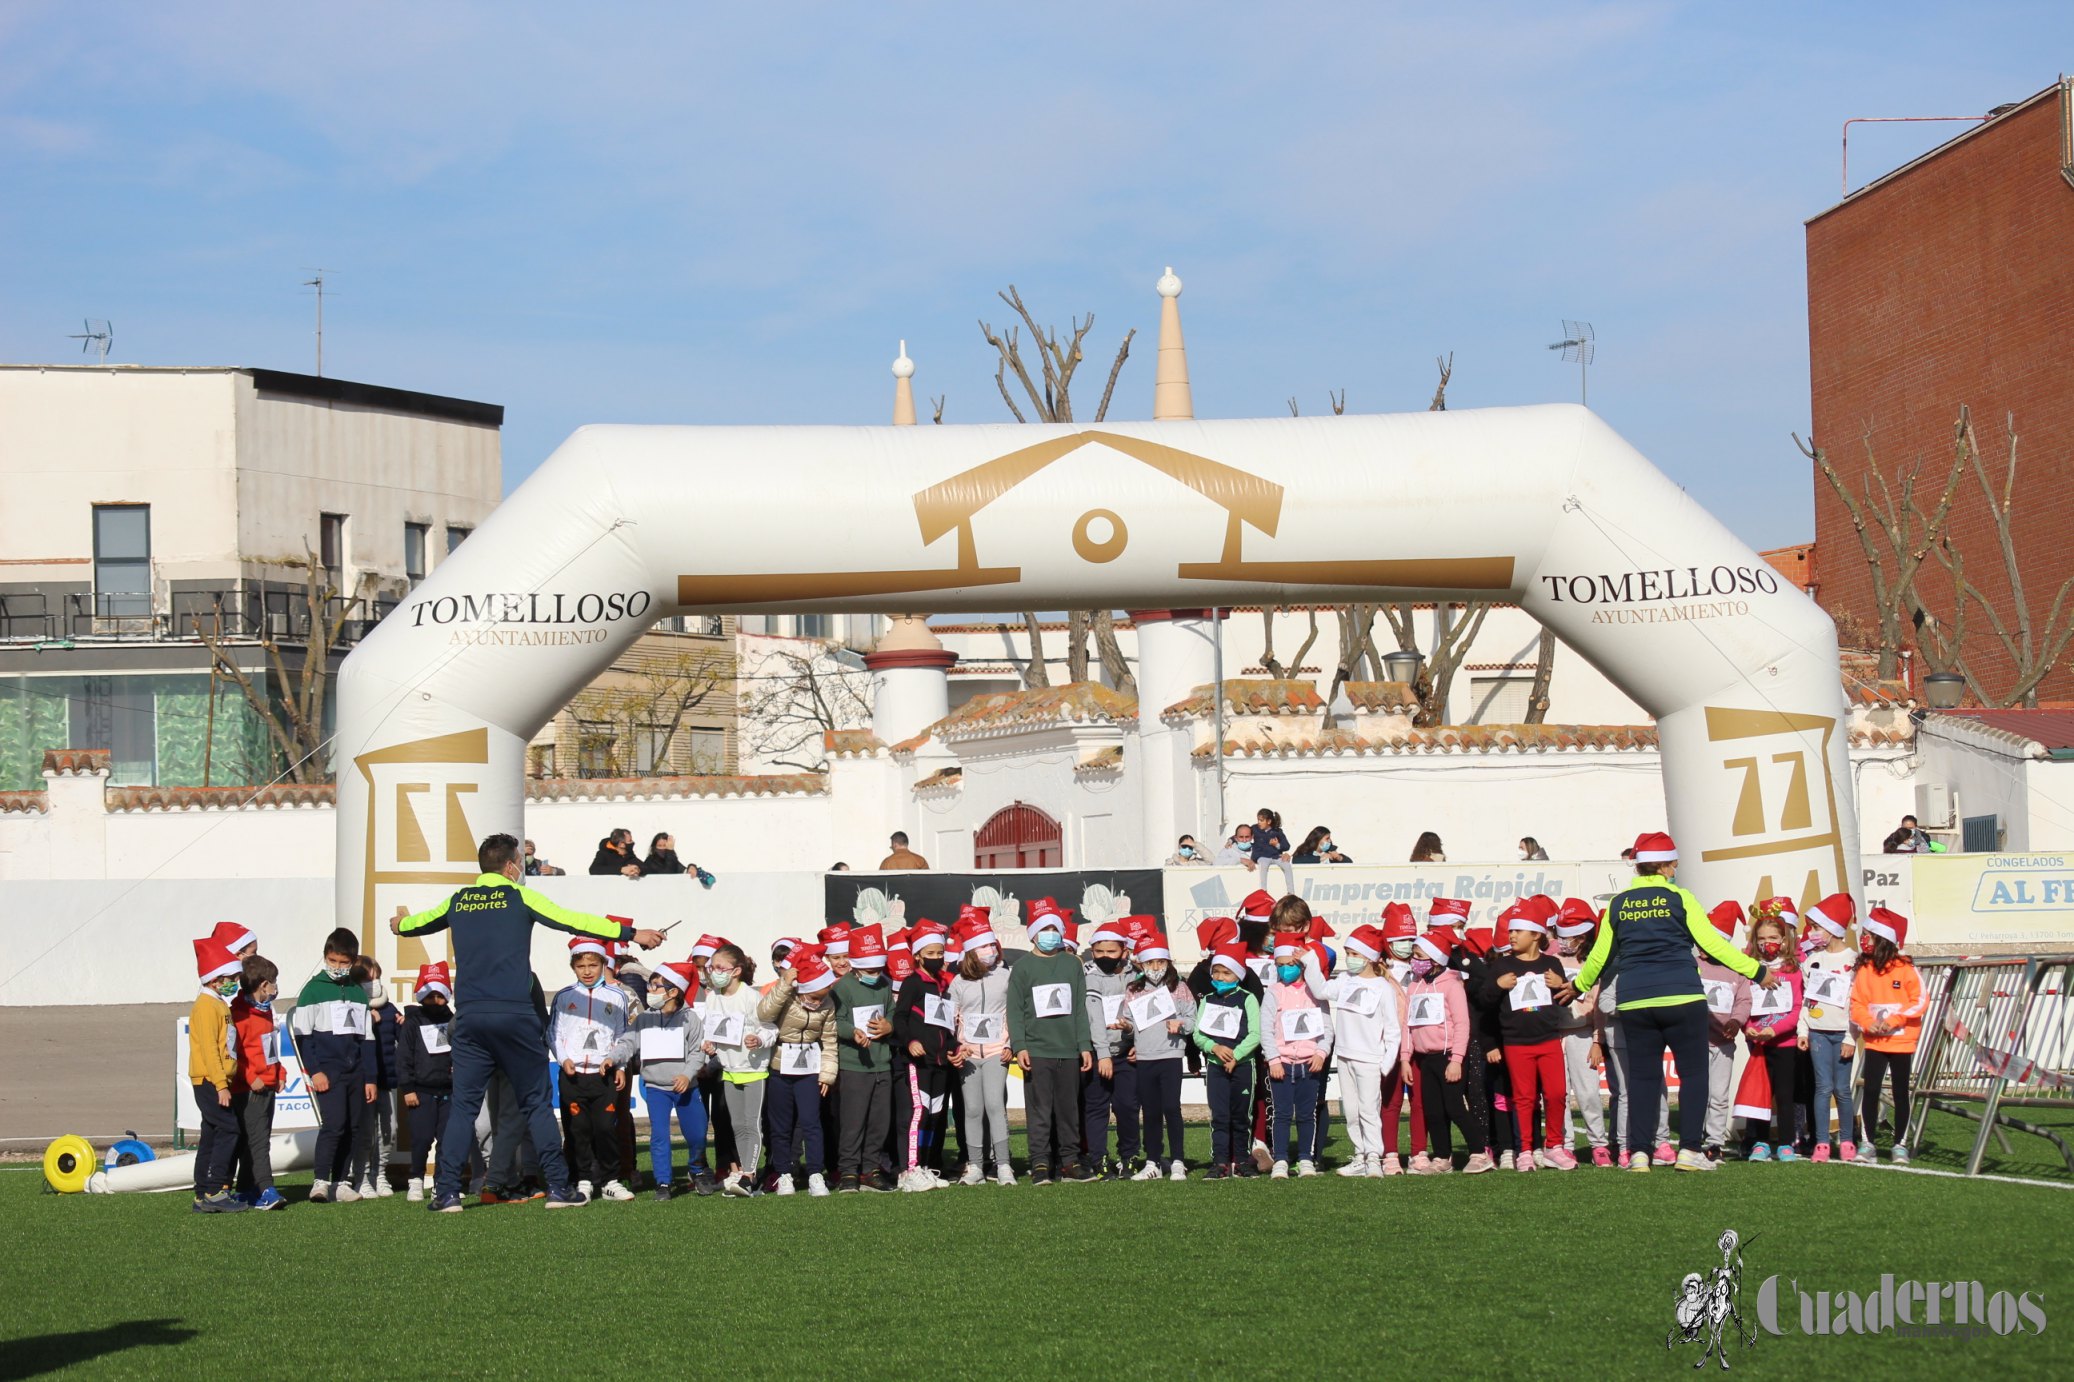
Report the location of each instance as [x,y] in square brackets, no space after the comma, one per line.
[850,1069]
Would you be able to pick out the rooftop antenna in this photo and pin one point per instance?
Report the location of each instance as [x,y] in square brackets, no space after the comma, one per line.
[102,336]
[1578,344]
[318,283]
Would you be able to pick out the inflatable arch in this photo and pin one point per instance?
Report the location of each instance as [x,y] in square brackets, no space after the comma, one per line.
[1543,506]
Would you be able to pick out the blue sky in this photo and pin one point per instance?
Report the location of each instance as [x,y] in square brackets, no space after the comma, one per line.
[691,213]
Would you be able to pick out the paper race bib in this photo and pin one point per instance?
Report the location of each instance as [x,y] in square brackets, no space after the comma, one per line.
[1261,965]
[1155,1007]
[1771,1002]
[982,1029]
[1112,1008]
[1721,996]
[1220,1020]
[434,1035]
[799,1058]
[938,1012]
[1428,1010]
[724,1029]
[1303,1024]
[347,1020]
[1529,992]
[662,1044]
[1886,1014]
[1360,996]
[270,1047]
[1053,1000]
[864,1014]
[1826,987]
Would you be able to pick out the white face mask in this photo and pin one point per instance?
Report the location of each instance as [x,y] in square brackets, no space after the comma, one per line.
[336,971]
[1156,972]
[378,995]
[1401,949]
[657,998]
[721,979]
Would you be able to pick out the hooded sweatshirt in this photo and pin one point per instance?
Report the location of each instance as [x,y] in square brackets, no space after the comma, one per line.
[424,1050]
[259,1046]
[983,998]
[331,1029]
[795,1024]
[663,1072]
[1762,1030]
[1155,1042]
[920,997]
[211,1041]
[1451,1033]
[1283,1000]
[1724,1018]
[1896,994]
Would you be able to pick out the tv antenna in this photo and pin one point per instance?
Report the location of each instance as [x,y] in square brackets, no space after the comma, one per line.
[317,282]
[1579,344]
[101,336]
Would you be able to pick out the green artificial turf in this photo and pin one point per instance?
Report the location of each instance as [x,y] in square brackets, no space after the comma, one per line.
[1551,1274]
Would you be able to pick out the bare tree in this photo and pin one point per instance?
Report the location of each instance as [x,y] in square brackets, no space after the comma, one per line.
[1544,672]
[797,697]
[1274,666]
[1446,365]
[1454,637]
[1052,401]
[1337,400]
[1896,534]
[646,703]
[294,715]
[1114,666]
[936,407]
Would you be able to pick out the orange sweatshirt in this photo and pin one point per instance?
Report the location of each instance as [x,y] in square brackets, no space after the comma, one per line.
[1897,993]
[209,1051]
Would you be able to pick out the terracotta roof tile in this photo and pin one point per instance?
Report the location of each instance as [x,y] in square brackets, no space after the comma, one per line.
[1378,697]
[613,788]
[67,762]
[1250,696]
[1080,702]
[1447,739]
[852,743]
[1102,760]
[279,796]
[942,777]
[38,800]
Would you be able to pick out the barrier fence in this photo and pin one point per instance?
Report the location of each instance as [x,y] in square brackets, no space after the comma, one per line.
[1997,1034]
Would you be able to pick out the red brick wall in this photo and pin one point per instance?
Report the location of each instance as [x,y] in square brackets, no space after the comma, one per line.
[1953,283]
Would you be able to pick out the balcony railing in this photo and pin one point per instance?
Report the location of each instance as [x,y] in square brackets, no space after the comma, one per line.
[244,612]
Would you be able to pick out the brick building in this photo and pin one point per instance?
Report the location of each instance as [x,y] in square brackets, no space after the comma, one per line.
[1950,281]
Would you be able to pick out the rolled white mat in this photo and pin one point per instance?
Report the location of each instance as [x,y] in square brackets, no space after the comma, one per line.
[291,1151]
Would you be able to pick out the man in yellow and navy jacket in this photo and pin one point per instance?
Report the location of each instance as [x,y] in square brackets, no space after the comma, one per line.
[1645,946]
[496,1026]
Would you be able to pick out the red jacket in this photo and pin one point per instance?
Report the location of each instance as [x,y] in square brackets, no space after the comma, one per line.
[259,1065]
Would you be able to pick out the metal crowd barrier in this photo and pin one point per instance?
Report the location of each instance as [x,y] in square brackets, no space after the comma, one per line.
[1998,1033]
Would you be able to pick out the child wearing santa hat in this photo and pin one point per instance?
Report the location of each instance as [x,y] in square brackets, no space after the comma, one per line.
[1486,1086]
[1887,998]
[1441,1041]
[237,938]
[744,1060]
[864,1064]
[1114,1080]
[801,1013]
[1524,985]
[1584,1053]
[259,1078]
[212,1065]
[1400,931]
[1773,1029]
[1159,1012]
[925,1030]
[1728,1010]
[1826,975]
[667,1035]
[1296,1038]
[979,992]
[425,1068]
[1367,1029]
[1048,1027]
[588,1035]
[1227,1032]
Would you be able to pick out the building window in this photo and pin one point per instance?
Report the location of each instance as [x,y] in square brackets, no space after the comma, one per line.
[1019,837]
[122,560]
[455,536]
[594,740]
[1499,700]
[119,714]
[331,541]
[415,536]
[706,625]
[708,751]
[651,748]
[814,625]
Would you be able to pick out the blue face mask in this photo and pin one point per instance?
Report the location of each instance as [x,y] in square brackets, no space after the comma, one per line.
[1049,941]
[592,983]
[867,976]
[1289,974]
[1224,985]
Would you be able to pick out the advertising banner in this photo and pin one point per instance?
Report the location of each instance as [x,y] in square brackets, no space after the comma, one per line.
[1992,899]
[293,1107]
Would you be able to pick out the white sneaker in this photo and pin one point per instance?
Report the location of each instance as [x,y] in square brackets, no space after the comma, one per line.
[583,1188]
[344,1193]
[1004,1174]
[816,1187]
[1280,1171]
[1306,1168]
[915,1181]
[382,1188]
[1149,1171]
[1505,1161]
[1357,1167]
[936,1180]
[785,1185]
[1262,1157]
[973,1175]
[1375,1169]
[737,1184]
[1176,1170]
[415,1191]
[615,1191]
[320,1192]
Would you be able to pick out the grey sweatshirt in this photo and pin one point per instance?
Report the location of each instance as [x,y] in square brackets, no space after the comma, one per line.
[1109,1041]
[1156,1044]
[665,1072]
[984,996]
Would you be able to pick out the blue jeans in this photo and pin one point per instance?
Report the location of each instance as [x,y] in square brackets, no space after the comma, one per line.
[1296,1094]
[795,1113]
[1832,1077]
[691,1121]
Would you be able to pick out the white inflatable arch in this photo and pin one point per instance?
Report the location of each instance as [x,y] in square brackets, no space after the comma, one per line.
[1542,506]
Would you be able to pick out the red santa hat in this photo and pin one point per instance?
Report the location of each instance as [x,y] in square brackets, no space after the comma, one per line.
[233,935]
[1110,931]
[1399,922]
[900,961]
[1367,942]
[1654,847]
[589,945]
[1438,943]
[1048,919]
[868,946]
[1576,918]
[1753,1093]
[1520,917]
[1833,913]
[1477,941]
[615,953]
[1727,916]
[1289,943]
[835,938]
[1046,906]
[969,912]
[810,975]
[1232,956]
[1258,906]
[970,935]
[783,946]
[1320,929]
[706,945]
[213,960]
[1140,927]
[681,973]
[1152,947]
[1448,911]
[1887,925]
[1212,932]
[926,933]
[433,978]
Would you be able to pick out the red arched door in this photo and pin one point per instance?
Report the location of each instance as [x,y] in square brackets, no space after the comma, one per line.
[1019,837]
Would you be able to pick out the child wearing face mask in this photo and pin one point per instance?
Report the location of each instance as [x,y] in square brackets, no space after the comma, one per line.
[1227,1032]
[1775,1036]
[1826,993]
[1887,998]
[666,1038]
[925,1026]
[800,1011]
[980,993]
[1367,1027]
[1728,1009]
[1527,983]
[1158,1047]
[330,1031]
[1048,1028]
[1296,1035]
[745,1066]
[212,1067]
[864,1083]
[589,1037]
[1400,929]
[1439,1030]
[1584,1055]
[377,1134]
[259,1077]
[425,1069]
[1114,1080]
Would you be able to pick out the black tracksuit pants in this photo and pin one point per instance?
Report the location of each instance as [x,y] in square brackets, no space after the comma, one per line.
[427,1122]
[1682,1027]
[1159,1103]
[590,1125]
[219,1142]
[1447,1102]
[339,1111]
[1051,1097]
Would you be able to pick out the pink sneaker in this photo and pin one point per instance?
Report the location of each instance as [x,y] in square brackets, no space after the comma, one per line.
[1850,1151]
[1666,1154]
[1391,1166]
[1821,1152]
[1602,1158]
[1560,1158]
[1523,1162]
[1421,1165]
[1479,1164]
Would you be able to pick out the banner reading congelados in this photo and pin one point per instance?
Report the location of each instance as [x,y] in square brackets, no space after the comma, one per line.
[1993,899]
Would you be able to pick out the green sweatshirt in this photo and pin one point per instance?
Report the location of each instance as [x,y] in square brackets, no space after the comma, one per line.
[852,993]
[1062,1036]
